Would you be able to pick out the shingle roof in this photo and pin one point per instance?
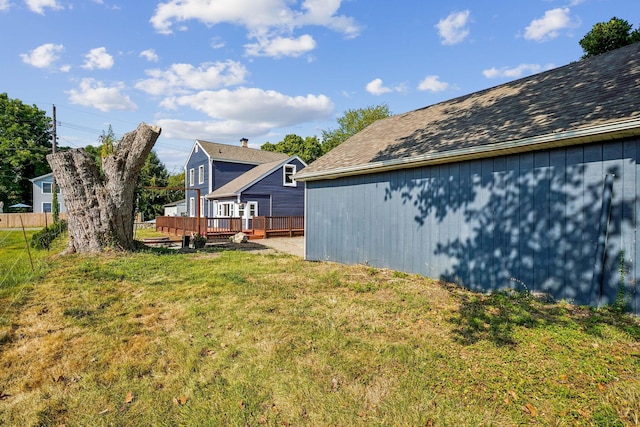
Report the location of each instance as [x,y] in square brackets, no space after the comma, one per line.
[236,153]
[562,103]
[234,187]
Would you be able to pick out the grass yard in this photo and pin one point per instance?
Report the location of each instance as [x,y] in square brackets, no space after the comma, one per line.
[255,338]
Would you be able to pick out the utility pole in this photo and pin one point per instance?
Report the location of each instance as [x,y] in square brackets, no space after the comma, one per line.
[54,190]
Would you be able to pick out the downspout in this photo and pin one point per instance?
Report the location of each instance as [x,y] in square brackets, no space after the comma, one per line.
[603,233]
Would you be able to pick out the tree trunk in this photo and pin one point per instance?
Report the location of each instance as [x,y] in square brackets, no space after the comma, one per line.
[100,205]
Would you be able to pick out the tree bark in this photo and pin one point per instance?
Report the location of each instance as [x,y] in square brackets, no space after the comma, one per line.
[100,204]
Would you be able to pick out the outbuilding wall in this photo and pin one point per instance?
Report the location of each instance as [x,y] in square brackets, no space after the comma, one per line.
[559,221]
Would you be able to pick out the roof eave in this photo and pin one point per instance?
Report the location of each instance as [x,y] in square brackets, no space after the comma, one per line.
[621,129]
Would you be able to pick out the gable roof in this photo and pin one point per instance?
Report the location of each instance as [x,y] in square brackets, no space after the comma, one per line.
[41,177]
[590,100]
[247,179]
[238,154]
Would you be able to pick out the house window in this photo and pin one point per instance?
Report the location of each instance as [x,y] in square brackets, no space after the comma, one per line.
[241,210]
[192,206]
[225,209]
[191,177]
[201,174]
[253,209]
[288,172]
[202,206]
[46,188]
[46,207]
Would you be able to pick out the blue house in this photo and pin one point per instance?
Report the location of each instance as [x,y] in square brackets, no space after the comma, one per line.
[238,181]
[43,194]
[531,185]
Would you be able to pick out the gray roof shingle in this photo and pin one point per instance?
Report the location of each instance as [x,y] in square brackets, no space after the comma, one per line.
[236,153]
[598,91]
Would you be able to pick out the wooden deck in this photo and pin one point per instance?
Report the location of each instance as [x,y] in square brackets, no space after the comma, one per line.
[260,227]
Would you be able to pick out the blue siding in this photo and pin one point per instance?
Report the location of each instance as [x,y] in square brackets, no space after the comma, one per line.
[527,221]
[195,160]
[225,172]
[275,199]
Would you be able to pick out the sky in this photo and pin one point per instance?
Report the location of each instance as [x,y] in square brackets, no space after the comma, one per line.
[222,70]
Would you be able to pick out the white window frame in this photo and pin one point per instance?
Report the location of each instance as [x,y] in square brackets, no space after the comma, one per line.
[225,209]
[50,207]
[192,206]
[201,174]
[289,171]
[50,186]
[202,205]
[252,209]
[192,176]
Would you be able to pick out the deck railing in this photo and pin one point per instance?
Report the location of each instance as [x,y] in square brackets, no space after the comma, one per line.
[264,226]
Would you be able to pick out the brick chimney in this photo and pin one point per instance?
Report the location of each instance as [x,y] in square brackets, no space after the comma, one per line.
[244,142]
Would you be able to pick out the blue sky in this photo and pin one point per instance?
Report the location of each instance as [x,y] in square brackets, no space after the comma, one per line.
[221,70]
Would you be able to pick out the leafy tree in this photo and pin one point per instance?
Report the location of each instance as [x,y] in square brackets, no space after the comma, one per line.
[25,140]
[606,36]
[308,149]
[352,122]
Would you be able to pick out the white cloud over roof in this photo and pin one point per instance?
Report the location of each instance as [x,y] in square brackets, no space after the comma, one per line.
[454,28]
[271,22]
[93,93]
[548,27]
[184,78]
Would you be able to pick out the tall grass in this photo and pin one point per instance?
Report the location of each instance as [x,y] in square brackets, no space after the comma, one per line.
[239,338]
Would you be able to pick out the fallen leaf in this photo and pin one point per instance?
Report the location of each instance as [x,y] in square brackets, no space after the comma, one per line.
[129,397]
[182,400]
[104,411]
[334,384]
[563,377]
[600,387]
[242,405]
[530,409]
[4,396]
[429,423]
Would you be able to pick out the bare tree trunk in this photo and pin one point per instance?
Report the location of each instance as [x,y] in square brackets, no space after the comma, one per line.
[100,205]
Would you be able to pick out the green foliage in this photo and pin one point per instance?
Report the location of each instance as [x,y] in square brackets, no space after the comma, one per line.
[607,36]
[25,140]
[308,149]
[43,238]
[352,122]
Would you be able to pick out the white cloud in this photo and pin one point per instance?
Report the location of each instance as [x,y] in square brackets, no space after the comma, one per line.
[4,5]
[549,26]
[375,87]
[92,93]
[270,22]
[98,58]
[453,29]
[43,56]
[224,130]
[281,46]
[516,72]
[38,6]
[149,55]
[433,84]
[183,78]
[263,108]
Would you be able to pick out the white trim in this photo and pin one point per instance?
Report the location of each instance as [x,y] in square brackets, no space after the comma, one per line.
[598,133]
[201,174]
[192,177]
[291,174]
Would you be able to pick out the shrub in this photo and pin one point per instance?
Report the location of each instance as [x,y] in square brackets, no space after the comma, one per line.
[43,238]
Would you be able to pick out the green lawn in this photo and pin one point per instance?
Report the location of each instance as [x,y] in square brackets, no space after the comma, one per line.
[256,338]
